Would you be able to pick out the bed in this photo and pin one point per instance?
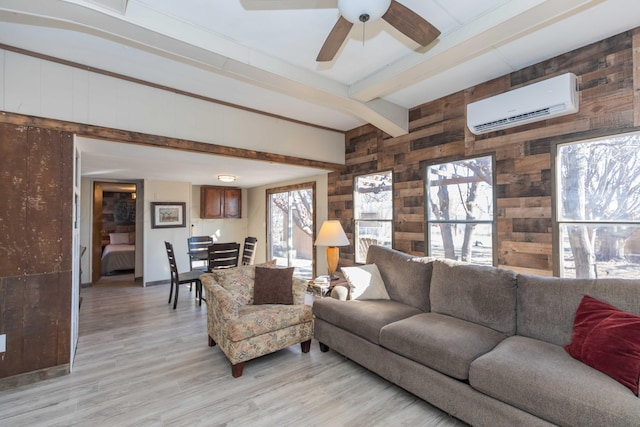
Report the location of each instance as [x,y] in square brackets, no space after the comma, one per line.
[119,254]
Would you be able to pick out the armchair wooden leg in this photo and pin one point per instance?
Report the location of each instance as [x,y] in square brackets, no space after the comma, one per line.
[170,292]
[236,370]
[212,343]
[306,346]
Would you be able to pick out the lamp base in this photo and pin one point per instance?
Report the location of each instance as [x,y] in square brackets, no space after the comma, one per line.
[333,255]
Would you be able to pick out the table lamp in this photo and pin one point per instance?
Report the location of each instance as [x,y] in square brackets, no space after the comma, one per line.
[332,235]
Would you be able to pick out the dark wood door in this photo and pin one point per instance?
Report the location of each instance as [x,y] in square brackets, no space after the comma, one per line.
[96,249]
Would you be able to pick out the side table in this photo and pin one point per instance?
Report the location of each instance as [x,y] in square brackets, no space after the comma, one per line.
[317,289]
[324,290]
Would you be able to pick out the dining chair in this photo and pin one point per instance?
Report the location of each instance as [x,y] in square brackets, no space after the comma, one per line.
[249,250]
[223,255]
[198,255]
[178,279]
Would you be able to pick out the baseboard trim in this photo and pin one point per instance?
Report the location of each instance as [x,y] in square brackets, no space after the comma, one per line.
[33,377]
[158,282]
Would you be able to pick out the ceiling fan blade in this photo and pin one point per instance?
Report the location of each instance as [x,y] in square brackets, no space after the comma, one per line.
[334,40]
[410,24]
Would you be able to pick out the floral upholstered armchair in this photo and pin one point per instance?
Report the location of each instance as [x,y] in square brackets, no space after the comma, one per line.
[244,330]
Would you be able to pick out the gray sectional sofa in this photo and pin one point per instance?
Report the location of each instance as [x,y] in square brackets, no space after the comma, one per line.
[482,343]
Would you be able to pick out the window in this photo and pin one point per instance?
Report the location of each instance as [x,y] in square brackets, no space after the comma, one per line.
[372,212]
[459,210]
[598,207]
[290,233]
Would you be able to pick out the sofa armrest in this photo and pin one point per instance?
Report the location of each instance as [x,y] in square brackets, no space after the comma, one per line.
[224,303]
[219,300]
[340,292]
[299,290]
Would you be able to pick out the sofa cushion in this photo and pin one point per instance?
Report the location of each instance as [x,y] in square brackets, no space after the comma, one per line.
[547,305]
[273,286]
[365,282]
[407,281]
[607,339]
[477,293]
[364,318]
[542,379]
[441,342]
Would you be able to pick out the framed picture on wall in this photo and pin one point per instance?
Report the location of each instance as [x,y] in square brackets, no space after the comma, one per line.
[124,211]
[168,214]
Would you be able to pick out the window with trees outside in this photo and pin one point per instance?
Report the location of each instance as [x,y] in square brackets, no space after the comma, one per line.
[459,210]
[598,207]
[372,212]
[290,233]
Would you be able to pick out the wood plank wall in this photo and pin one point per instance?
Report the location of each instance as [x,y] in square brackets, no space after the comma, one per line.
[609,83]
[35,248]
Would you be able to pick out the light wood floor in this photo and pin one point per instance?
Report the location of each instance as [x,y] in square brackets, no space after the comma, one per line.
[140,363]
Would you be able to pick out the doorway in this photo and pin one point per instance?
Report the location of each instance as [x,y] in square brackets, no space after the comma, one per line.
[114,229]
[291,227]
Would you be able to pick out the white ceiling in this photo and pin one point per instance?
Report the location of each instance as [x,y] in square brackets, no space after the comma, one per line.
[261,54]
[119,161]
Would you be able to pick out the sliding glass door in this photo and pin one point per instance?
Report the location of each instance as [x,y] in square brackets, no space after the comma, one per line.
[291,227]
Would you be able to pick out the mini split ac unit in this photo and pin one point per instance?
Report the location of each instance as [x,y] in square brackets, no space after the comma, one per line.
[553,97]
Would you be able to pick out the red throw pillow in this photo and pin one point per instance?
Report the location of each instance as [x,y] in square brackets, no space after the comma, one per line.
[607,339]
[273,286]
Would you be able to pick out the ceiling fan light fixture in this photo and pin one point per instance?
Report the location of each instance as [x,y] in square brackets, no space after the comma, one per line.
[352,10]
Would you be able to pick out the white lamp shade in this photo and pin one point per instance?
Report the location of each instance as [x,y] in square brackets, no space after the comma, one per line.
[331,234]
[352,9]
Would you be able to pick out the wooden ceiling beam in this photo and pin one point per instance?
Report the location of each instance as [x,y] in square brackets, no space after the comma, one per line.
[158,141]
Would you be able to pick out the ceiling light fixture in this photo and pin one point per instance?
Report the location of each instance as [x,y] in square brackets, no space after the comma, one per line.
[356,11]
[226,178]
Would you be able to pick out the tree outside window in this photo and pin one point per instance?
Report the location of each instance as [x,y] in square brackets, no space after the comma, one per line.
[459,210]
[372,212]
[290,228]
[599,207]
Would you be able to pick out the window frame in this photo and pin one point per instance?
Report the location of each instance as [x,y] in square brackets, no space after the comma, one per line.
[357,220]
[493,223]
[556,205]
[285,189]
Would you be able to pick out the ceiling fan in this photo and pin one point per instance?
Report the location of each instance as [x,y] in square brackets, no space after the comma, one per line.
[401,17]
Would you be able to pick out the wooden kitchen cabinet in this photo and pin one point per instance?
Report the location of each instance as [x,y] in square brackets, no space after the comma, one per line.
[220,202]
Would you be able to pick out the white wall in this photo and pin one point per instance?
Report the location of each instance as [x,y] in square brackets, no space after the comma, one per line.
[156,265]
[42,88]
[257,219]
[37,87]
